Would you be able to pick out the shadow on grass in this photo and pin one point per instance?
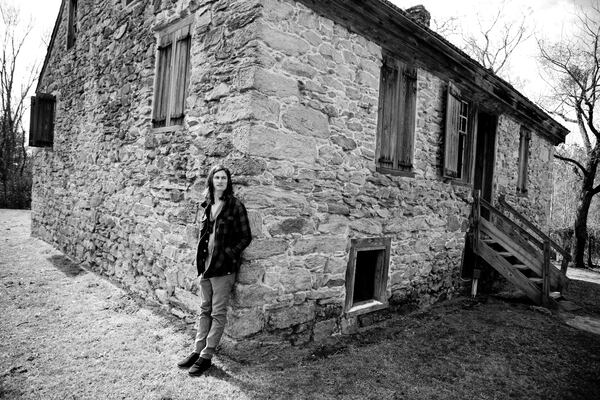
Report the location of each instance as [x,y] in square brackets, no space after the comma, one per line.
[585,294]
[455,350]
[66,266]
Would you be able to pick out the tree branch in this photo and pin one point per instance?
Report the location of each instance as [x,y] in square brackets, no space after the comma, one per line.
[575,162]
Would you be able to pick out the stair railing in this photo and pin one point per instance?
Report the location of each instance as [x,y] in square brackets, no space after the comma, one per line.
[544,244]
[480,202]
[566,257]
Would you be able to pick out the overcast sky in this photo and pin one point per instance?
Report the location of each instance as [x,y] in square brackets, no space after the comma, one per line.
[549,18]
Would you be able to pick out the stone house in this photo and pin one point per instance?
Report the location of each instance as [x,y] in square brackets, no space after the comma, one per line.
[355,134]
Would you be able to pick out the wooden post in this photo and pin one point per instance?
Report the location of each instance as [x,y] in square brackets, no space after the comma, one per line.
[546,274]
[565,263]
[476,218]
[476,274]
[475,222]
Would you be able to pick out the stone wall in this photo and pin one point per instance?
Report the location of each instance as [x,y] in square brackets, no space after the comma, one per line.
[113,192]
[289,101]
[536,203]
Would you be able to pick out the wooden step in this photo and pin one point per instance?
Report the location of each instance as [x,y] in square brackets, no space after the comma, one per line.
[537,281]
[520,267]
[514,275]
[505,254]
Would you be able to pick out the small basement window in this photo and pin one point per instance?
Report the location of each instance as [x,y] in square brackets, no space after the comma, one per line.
[367,275]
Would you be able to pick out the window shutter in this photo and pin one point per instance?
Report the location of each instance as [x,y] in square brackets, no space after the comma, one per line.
[524,138]
[451,136]
[172,75]
[41,122]
[408,110]
[162,86]
[397,114]
[72,24]
[387,106]
[180,71]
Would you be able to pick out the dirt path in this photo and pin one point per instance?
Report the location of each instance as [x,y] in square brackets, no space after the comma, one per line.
[67,333]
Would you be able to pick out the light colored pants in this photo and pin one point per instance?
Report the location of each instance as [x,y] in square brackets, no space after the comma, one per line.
[214,294]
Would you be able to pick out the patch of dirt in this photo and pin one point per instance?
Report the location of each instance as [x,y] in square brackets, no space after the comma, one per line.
[68,334]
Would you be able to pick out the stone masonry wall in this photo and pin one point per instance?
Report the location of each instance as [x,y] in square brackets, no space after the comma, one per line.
[320,187]
[115,193]
[536,203]
[289,101]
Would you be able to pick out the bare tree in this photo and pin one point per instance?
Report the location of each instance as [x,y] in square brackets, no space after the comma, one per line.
[446,27]
[495,40]
[572,67]
[13,94]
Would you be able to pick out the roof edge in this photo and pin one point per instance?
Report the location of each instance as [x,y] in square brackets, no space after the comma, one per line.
[390,27]
[50,45]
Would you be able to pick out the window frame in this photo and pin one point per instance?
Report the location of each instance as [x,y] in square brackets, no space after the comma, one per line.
[396,117]
[459,137]
[523,162]
[379,300]
[172,75]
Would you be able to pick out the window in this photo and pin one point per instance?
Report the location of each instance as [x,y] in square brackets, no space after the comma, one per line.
[367,275]
[396,118]
[525,136]
[41,121]
[72,24]
[458,146]
[172,74]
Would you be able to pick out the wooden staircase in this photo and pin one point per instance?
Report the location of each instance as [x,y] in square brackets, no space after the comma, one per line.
[518,250]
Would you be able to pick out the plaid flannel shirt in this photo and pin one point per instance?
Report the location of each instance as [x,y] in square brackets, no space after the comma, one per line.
[232,236]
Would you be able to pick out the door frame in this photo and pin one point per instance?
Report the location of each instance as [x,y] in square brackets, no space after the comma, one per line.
[486,141]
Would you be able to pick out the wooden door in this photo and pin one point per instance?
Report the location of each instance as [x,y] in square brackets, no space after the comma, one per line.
[485,155]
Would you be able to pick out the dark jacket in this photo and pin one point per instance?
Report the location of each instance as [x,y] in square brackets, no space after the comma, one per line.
[232,236]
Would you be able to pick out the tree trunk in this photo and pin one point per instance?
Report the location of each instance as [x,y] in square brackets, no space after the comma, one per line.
[583,207]
[590,262]
[580,236]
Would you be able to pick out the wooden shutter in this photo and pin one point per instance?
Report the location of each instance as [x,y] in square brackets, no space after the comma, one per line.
[41,122]
[396,118]
[451,135]
[72,24]
[162,85]
[408,110]
[180,72]
[172,75]
[525,136]
[387,100]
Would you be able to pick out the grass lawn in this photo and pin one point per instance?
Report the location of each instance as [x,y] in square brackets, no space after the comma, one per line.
[461,349]
[67,333]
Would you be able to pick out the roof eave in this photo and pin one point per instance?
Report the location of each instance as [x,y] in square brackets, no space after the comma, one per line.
[391,28]
[50,47]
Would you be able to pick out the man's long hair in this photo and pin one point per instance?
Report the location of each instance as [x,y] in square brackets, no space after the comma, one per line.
[209,192]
